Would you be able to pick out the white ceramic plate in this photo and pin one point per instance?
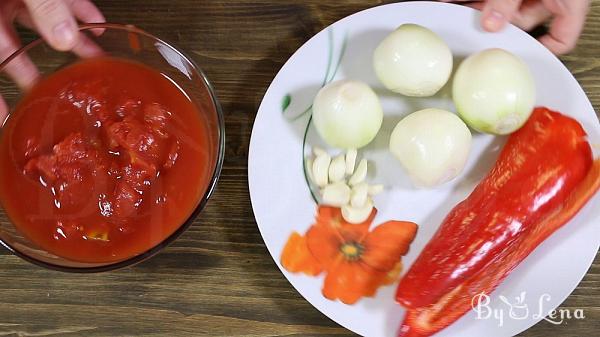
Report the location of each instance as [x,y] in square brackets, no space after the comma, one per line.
[282,201]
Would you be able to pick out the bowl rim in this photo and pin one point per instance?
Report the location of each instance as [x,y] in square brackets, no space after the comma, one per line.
[203,200]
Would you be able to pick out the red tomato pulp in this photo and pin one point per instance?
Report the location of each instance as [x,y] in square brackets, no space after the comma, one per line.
[103,160]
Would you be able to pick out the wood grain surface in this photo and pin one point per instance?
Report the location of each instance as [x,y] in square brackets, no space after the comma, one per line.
[218,278]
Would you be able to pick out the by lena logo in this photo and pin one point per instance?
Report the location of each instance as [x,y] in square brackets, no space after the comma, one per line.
[518,309]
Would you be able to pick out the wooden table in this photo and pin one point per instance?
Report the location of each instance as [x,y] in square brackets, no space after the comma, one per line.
[218,278]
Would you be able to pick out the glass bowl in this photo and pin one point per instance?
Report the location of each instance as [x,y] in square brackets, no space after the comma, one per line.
[126,42]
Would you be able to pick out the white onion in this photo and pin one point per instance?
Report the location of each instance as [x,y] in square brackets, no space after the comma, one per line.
[494,91]
[413,61]
[432,145]
[347,114]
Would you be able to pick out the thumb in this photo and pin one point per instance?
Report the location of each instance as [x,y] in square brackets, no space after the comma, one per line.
[497,13]
[55,22]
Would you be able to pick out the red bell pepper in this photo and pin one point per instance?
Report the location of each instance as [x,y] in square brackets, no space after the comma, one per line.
[543,177]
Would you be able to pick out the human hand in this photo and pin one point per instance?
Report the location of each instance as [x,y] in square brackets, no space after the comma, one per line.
[567,18]
[54,20]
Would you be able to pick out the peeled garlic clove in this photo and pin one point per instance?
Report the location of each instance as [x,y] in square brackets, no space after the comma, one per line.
[375,189]
[360,174]
[319,151]
[337,169]
[321,169]
[336,194]
[351,161]
[359,195]
[357,215]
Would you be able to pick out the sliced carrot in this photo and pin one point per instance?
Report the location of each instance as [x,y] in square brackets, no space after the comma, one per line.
[387,243]
[349,281]
[357,262]
[296,258]
[331,232]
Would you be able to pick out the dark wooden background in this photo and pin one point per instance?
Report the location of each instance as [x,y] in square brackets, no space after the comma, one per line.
[218,278]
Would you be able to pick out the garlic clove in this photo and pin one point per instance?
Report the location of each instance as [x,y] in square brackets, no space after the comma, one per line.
[337,169]
[358,215]
[351,161]
[336,194]
[320,169]
[359,195]
[360,174]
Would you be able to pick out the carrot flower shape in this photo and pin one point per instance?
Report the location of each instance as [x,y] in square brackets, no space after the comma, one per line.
[356,261]
[296,258]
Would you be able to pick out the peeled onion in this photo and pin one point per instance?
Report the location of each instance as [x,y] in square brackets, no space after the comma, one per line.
[413,61]
[494,91]
[347,114]
[432,145]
